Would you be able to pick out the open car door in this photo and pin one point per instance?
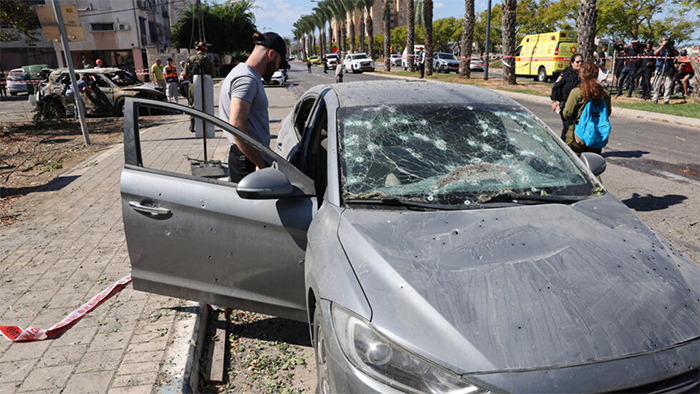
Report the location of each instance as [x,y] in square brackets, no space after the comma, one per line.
[196,238]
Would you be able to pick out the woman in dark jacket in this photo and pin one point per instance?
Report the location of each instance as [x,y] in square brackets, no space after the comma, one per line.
[588,90]
[567,81]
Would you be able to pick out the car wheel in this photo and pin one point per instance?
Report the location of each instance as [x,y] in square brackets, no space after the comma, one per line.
[372,70]
[13,93]
[119,108]
[320,348]
[54,109]
[542,75]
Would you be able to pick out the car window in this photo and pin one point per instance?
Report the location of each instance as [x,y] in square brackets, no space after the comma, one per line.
[301,115]
[452,154]
[99,79]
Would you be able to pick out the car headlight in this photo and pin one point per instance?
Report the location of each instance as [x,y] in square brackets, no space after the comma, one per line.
[385,361]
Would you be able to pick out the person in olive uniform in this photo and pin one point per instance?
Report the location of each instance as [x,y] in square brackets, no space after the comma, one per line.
[567,81]
[197,64]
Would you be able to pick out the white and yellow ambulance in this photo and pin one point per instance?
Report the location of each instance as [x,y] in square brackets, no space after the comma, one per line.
[544,56]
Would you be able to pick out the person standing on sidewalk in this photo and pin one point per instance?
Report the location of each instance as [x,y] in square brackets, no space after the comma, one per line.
[243,103]
[184,88]
[3,82]
[628,72]
[157,75]
[665,70]
[170,74]
[567,81]
[648,65]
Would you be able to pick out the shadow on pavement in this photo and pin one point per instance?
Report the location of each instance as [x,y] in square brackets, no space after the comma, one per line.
[650,203]
[628,154]
[56,184]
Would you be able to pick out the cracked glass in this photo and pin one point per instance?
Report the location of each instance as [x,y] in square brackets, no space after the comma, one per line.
[451,154]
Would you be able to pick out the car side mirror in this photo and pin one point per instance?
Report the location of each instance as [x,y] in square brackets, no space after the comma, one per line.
[268,183]
[594,162]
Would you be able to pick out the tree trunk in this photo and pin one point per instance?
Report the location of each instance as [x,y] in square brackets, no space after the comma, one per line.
[343,37]
[428,15]
[352,33]
[587,16]
[338,36]
[410,36]
[387,37]
[467,39]
[508,39]
[330,37]
[370,35]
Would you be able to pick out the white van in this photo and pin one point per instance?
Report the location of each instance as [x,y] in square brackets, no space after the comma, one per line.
[404,57]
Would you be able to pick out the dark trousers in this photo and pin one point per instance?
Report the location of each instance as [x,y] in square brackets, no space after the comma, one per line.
[238,164]
[565,126]
[646,82]
[626,77]
[421,66]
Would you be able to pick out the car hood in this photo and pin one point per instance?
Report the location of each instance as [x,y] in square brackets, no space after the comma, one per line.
[146,87]
[449,61]
[522,287]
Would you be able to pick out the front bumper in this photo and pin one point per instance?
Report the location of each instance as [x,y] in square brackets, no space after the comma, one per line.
[670,370]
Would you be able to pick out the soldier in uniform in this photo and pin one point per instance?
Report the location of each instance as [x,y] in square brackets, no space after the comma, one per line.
[198,64]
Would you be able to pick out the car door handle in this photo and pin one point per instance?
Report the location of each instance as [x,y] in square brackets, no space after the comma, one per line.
[152,210]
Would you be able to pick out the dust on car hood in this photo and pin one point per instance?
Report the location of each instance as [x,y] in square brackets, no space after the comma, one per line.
[522,287]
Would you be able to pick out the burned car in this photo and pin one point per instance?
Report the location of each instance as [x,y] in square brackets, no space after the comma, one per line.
[451,245]
[109,87]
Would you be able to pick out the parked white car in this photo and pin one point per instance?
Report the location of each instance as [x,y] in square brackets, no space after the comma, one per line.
[332,60]
[15,81]
[395,60]
[357,63]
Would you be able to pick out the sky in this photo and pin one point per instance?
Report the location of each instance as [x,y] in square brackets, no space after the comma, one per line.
[280,15]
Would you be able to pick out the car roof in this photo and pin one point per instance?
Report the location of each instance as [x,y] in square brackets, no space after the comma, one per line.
[396,92]
[104,70]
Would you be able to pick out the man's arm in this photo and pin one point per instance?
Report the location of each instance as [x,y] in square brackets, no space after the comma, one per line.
[238,116]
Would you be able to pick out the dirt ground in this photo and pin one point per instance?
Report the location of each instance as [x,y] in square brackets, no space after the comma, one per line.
[34,154]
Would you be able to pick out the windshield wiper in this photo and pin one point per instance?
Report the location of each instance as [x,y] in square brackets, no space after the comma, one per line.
[533,198]
[398,202]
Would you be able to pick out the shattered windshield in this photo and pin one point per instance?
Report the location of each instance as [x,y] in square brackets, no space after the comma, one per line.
[451,154]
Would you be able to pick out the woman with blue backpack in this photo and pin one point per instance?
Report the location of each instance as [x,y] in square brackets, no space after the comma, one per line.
[588,108]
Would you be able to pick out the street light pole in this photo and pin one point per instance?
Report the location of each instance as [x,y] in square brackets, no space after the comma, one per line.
[488,33]
[71,72]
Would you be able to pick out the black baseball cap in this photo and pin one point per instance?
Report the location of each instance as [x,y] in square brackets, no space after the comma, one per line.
[274,41]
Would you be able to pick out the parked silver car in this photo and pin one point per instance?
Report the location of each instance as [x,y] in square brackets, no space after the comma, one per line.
[438,239]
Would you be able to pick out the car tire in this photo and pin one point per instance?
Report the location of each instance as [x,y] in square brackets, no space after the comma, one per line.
[13,93]
[119,108]
[53,109]
[319,339]
[542,75]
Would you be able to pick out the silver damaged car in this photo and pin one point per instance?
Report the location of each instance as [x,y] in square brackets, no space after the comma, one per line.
[451,244]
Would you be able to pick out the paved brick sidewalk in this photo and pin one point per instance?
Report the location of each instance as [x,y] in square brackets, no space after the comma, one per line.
[72,248]
[69,249]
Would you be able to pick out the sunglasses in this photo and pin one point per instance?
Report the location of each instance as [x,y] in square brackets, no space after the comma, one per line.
[579,61]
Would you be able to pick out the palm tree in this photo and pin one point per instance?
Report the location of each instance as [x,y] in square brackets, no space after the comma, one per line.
[508,40]
[325,8]
[338,9]
[299,33]
[428,23]
[320,22]
[368,4]
[410,36]
[467,39]
[587,17]
[419,12]
[386,17]
[350,7]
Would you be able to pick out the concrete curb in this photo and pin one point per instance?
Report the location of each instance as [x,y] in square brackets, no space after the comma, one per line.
[630,113]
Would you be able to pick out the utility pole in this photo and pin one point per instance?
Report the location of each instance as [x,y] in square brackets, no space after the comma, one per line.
[71,71]
[488,33]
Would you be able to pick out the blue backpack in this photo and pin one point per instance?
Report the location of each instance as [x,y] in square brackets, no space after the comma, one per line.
[593,128]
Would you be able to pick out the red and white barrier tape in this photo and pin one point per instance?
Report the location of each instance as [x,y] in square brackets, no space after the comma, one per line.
[17,334]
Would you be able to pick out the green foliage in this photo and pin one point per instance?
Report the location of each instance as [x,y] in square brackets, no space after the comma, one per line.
[21,17]
[398,37]
[641,20]
[219,21]
[446,30]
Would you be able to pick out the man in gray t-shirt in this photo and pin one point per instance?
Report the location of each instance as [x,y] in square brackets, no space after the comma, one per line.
[243,103]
